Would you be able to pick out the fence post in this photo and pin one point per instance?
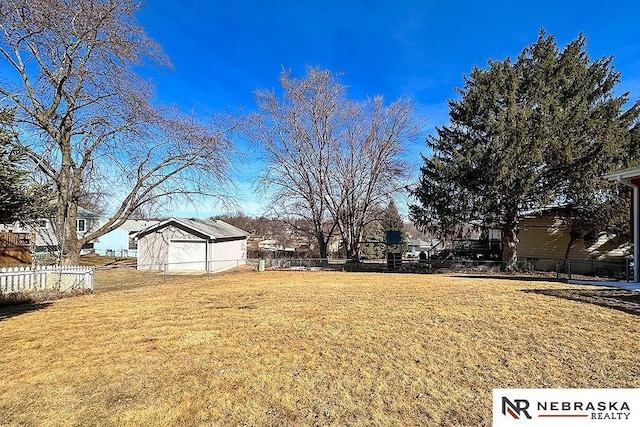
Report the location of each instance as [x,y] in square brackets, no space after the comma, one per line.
[626,269]
[557,269]
[569,269]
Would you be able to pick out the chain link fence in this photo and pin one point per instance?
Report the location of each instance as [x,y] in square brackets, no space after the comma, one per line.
[602,270]
[127,274]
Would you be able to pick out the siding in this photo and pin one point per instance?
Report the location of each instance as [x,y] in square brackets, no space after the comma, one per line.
[545,238]
[45,234]
[548,238]
[153,248]
[227,254]
[223,254]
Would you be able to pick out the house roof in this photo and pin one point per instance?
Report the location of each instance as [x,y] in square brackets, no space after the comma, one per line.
[83,213]
[628,173]
[86,213]
[135,225]
[212,228]
[417,242]
[563,208]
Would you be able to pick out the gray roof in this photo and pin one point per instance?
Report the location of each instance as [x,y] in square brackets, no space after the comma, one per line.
[83,213]
[213,228]
[133,225]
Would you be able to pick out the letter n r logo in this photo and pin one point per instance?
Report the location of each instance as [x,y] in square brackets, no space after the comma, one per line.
[515,408]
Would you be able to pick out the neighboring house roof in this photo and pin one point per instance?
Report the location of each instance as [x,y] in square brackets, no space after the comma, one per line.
[83,213]
[420,242]
[213,229]
[564,209]
[135,225]
[270,242]
[86,213]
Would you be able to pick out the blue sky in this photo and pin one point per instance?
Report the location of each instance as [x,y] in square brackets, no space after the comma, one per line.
[224,51]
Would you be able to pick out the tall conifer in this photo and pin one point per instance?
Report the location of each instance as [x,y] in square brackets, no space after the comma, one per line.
[525,134]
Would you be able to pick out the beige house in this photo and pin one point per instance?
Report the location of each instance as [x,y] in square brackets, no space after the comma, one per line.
[550,237]
[180,244]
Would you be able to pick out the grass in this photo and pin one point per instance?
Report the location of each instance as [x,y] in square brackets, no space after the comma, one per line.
[301,348]
[95,260]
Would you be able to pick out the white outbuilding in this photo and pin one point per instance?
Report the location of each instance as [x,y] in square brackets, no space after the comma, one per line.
[180,244]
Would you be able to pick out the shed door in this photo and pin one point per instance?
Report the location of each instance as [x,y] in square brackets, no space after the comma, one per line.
[188,255]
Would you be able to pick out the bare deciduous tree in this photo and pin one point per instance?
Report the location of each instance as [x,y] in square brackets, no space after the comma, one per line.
[329,159]
[368,166]
[88,121]
[300,135]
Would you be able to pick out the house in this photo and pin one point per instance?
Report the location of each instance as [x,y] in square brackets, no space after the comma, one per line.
[120,242]
[546,234]
[415,246]
[45,231]
[545,240]
[180,244]
[276,249]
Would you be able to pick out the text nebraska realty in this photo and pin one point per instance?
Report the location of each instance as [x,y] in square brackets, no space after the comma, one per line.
[595,410]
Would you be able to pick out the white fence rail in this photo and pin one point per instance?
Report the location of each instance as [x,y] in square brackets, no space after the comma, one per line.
[65,278]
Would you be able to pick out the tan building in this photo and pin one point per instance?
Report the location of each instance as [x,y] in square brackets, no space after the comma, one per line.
[549,237]
[180,244]
[545,243]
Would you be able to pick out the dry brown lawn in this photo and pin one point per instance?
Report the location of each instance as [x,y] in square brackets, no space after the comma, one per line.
[304,348]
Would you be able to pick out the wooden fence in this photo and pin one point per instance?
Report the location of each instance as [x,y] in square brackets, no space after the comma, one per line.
[65,278]
[14,239]
[15,246]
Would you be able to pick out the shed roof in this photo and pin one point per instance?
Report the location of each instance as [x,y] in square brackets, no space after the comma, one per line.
[212,228]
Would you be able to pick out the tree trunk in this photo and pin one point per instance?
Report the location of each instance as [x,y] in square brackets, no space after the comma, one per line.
[510,245]
[72,247]
[322,246]
[352,251]
[68,241]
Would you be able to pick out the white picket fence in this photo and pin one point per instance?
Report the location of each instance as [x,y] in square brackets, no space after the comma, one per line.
[64,278]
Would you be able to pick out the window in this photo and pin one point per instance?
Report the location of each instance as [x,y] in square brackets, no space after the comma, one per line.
[81,225]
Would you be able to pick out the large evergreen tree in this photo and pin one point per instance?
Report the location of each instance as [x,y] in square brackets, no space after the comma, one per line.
[19,199]
[523,134]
